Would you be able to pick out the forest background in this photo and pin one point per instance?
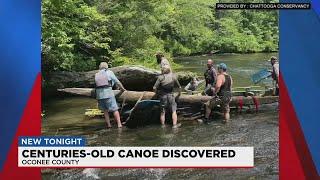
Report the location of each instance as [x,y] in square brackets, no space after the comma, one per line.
[78,34]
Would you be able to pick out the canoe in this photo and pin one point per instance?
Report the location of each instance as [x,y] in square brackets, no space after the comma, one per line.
[131,97]
[147,111]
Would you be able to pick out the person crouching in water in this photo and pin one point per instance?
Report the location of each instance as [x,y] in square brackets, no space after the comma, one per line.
[193,85]
[105,80]
[164,87]
[223,89]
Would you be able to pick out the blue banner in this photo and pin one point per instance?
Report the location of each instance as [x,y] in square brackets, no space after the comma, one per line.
[54,141]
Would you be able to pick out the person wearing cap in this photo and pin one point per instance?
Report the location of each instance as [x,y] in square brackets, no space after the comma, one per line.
[275,73]
[164,88]
[105,79]
[162,61]
[223,88]
[210,76]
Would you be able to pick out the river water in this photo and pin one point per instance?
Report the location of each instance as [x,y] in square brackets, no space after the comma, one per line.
[65,117]
[240,66]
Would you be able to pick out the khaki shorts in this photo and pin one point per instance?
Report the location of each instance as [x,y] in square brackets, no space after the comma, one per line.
[222,101]
[167,102]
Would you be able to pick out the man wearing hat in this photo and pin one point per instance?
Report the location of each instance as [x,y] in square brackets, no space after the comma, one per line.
[162,61]
[223,89]
[275,73]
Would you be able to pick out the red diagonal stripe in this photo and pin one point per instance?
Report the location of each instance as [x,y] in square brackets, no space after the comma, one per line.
[295,158]
[30,125]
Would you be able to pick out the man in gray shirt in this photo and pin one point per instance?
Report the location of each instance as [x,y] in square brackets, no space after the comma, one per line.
[164,87]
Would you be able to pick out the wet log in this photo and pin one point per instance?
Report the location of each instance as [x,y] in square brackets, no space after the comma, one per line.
[136,78]
[131,97]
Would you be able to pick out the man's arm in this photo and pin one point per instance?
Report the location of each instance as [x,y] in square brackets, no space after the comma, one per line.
[187,87]
[276,70]
[219,83]
[231,83]
[178,84]
[156,85]
[117,82]
[198,83]
[214,75]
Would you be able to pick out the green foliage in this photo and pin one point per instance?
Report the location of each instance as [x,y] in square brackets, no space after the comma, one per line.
[74,35]
[246,31]
[79,34]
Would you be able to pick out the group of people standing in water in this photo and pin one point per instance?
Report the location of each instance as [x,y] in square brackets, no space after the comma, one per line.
[218,85]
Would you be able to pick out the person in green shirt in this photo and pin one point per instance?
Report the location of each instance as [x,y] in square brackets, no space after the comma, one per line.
[164,88]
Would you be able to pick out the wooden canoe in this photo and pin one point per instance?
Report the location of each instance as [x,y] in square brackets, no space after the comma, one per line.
[131,97]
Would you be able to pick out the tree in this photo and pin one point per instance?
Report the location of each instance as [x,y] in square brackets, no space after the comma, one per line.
[74,36]
[79,34]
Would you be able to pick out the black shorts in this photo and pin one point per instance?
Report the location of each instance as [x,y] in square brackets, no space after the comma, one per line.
[168,102]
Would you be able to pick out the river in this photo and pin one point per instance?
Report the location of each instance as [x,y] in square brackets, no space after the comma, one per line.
[65,117]
[240,66]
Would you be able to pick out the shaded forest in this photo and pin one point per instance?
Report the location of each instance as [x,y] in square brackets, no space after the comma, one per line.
[78,34]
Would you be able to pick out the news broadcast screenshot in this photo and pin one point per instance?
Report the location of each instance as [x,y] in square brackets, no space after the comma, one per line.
[159,89]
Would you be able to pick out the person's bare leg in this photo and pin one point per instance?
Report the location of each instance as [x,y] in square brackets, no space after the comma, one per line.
[174,118]
[227,116]
[208,112]
[116,115]
[107,118]
[162,118]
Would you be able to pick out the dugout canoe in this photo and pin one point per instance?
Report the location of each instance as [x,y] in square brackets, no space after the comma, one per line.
[189,106]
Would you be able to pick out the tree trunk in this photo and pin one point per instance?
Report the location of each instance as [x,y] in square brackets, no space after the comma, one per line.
[132,96]
[136,78]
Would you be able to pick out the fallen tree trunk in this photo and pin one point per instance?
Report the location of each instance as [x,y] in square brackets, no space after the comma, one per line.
[131,97]
[136,78]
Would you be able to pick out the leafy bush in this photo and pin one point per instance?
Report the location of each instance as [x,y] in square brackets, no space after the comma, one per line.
[79,34]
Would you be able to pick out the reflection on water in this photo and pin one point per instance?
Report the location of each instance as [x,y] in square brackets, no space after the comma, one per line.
[66,117]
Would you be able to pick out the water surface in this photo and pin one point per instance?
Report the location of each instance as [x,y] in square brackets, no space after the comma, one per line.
[240,66]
